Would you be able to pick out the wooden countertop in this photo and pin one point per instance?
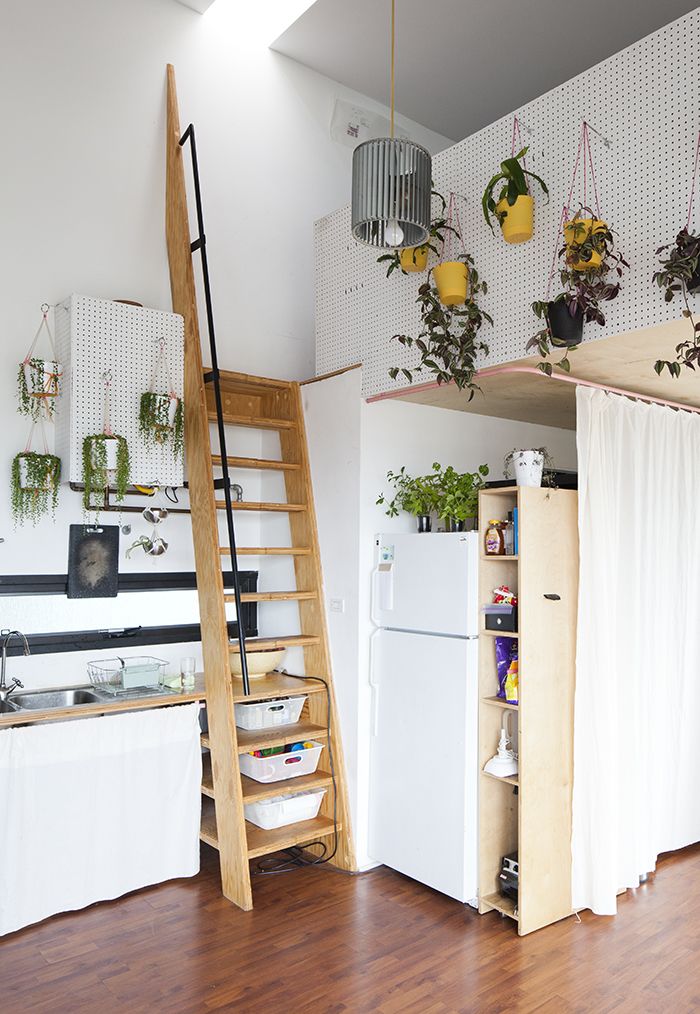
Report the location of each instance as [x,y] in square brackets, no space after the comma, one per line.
[111,705]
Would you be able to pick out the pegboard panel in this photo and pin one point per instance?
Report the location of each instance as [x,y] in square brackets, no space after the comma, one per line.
[98,335]
[645,100]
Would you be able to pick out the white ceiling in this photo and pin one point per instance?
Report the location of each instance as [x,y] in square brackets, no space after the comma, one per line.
[461,64]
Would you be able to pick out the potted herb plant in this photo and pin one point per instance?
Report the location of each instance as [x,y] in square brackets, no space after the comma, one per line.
[680,273]
[416,496]
[105,464]
[514,206]
[162,420]
[449,340]
[527,466]
[458,496]
[35,480]
[414,259]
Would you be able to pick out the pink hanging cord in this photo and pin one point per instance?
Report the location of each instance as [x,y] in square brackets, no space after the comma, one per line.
[107,429]
[516,134]
[692,187]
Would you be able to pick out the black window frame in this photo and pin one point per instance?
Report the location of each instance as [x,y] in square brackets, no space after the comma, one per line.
[117,639]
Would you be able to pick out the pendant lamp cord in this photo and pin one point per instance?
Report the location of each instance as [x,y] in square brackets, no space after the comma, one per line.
[393,46]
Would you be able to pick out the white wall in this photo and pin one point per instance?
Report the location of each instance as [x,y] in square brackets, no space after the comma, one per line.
[352,444]
[82,197]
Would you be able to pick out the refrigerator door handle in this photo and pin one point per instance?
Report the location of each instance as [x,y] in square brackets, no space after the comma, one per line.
[374,686]
[372,637]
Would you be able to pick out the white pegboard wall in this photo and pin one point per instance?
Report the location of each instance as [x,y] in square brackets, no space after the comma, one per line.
[98,335]
[645,100]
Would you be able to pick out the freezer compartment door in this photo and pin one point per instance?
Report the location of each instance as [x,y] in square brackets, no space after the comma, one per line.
[426,582]
[423,764]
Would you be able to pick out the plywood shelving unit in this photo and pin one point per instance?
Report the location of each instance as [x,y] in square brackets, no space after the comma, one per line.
[531,813]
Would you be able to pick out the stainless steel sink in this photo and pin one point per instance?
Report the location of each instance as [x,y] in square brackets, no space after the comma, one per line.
[8,708]
[64,698]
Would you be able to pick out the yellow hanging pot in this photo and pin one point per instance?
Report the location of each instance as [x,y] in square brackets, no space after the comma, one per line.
[519,223]
[576,232]
[414,258]
[451,280]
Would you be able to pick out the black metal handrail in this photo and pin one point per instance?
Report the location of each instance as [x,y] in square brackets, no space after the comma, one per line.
[213,377]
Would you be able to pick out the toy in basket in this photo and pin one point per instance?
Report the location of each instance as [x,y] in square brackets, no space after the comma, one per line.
[143,673]
[279,763]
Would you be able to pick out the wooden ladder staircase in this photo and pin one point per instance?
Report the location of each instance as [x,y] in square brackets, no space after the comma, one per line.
[233,400]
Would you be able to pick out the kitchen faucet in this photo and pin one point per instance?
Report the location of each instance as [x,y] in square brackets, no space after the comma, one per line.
[7,636]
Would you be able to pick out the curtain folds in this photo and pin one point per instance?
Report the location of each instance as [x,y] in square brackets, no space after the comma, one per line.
[637,703]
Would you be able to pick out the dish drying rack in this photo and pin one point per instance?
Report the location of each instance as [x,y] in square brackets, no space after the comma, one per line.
[142,674]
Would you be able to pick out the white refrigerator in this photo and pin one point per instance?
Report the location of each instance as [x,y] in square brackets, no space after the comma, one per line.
[424,725]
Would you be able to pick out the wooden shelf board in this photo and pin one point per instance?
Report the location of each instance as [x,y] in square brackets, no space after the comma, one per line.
[255,422]
[499,633]
[267,551]
[260,463]
[498,702]
[279,596]
[278,508]
[293,641]
[263,739]
[245,383]
[274,685]
[254,791]
[502,558]
[261,843]
[509,779]
[506,906]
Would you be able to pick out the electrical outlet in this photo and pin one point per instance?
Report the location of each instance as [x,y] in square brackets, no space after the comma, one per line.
[337,605]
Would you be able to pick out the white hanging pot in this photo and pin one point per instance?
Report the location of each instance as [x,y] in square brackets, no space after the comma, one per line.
[42,380]
[528,467]
[111,445]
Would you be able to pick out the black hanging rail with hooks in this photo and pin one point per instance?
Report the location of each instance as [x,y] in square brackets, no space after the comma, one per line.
[212,377]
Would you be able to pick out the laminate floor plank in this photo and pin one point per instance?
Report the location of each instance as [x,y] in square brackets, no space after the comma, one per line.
[323,942]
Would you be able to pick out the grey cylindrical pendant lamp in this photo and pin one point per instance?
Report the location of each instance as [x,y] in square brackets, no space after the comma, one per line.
[391,184]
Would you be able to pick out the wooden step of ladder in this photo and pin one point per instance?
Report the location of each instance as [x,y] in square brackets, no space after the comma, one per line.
[274,406]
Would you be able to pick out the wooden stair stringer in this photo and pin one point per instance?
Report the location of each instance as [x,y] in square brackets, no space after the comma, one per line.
[230,823]
[312,617]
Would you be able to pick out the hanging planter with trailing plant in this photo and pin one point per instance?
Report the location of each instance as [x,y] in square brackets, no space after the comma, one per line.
[591,268]
[680,273]
[514,207]
[161,414]
[38,379]
[35,480]
[105,459]
[414,259]
[105,466]
[449,342]
[450,275]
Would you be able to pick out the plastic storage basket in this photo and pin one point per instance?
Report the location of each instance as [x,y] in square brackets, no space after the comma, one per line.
[281,810]
[267,714]
[281,765]
[127,675]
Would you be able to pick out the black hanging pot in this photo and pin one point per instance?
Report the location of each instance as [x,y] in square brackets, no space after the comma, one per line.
[424,523]
[694,283]
[565,328]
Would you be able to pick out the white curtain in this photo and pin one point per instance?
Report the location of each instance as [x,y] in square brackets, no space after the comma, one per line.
[93,808]
[637,704]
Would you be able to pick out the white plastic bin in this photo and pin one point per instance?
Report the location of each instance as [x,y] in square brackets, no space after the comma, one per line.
[281,810]
[267,714]
[281,765]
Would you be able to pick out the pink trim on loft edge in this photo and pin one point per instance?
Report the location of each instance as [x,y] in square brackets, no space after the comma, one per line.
[565,377]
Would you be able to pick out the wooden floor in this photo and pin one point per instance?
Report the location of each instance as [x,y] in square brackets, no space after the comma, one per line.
[391,946]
